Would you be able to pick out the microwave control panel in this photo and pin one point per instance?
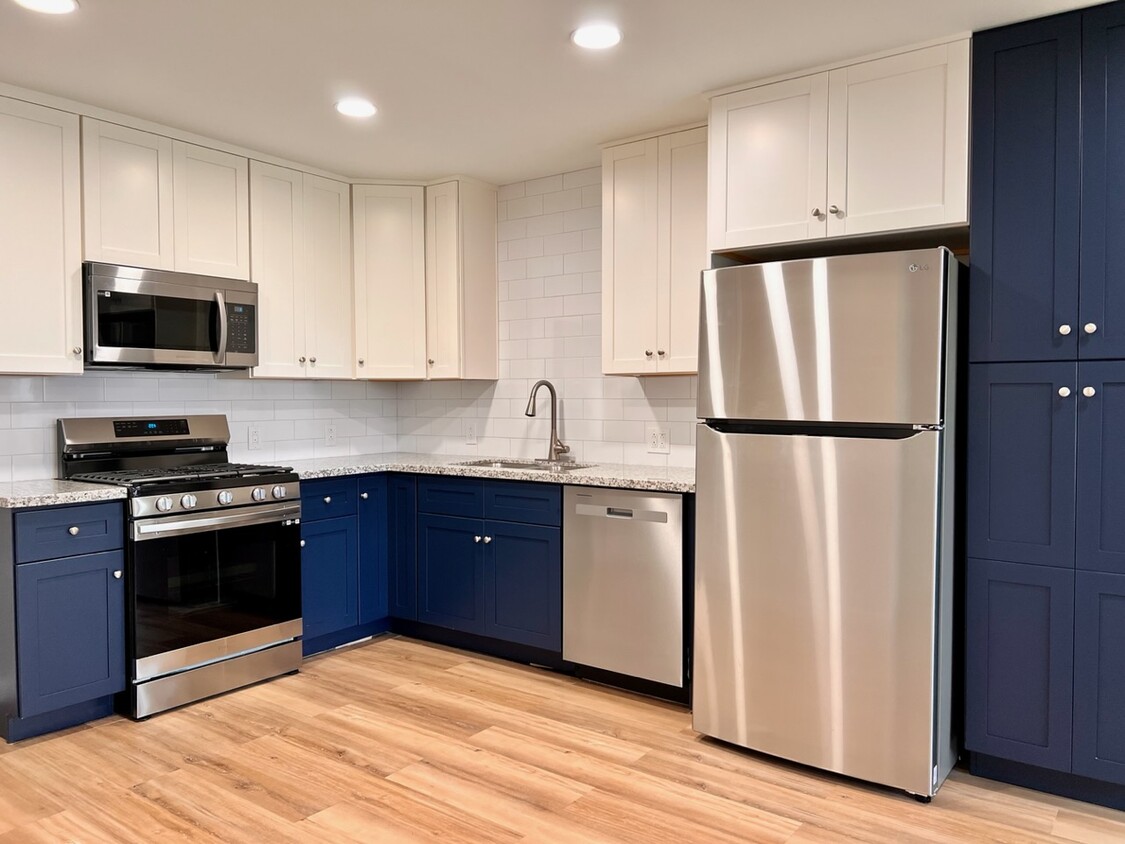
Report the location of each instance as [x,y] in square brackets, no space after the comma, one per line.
[241,329]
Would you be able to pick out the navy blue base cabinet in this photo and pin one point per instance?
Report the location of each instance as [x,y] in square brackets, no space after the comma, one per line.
[329,576]
[402,552]
[62,589]
[1099,677]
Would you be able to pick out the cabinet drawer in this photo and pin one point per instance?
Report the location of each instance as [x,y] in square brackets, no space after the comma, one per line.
[67,531]
[451,496]
[328,499]
[530,503]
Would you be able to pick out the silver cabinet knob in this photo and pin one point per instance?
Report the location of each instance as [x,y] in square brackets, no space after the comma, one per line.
[1089,392]
[430,361]
[648,353]
[1064,329]
[77,350]
[361,361]
[328,499]
[1064,392]
[660,352]
[487,540]
[1090,328]
[301,359]
[476,539]
[73,531]
[816,212]
[302,543]
[834,209]
[117,574]
[312,360]
[364,496]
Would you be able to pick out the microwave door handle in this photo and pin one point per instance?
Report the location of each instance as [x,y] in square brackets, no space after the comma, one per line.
[221,352]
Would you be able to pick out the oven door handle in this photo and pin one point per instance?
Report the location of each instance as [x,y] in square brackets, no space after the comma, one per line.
[221,352]
[161,528]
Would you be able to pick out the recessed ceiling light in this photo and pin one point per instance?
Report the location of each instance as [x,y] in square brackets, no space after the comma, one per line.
[356,107]
[50,7]
[596,36]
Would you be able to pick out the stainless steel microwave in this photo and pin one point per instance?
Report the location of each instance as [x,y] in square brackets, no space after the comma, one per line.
[155,319]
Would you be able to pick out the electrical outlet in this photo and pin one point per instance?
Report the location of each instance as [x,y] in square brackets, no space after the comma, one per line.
[254,438]
[470,433]
[330,434]
[657,439]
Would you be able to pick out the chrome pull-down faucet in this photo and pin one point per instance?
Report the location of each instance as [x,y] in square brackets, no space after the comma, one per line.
[556,447]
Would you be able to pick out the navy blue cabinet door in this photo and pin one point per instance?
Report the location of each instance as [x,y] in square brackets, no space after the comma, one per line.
[374,524]
[1021,462]
[1019,654]
[1025,199]
[70,631]
[329,576]
[1099,676]
[523,584]
[451,572]
[1100,542]
[1102,305]
[402,547]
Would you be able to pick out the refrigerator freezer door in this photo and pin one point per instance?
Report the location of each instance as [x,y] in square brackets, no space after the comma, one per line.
[815,600]
[857,338]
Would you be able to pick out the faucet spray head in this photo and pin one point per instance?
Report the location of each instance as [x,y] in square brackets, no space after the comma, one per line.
[530,411]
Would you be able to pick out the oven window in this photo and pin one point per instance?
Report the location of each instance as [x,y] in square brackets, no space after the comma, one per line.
[187,590]
[136,321]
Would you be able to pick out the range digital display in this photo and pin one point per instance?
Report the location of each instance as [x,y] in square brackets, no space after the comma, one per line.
[150,427]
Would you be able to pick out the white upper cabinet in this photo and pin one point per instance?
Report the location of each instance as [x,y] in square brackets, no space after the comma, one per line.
[127,196]
[390,281]
[879,145]
[654,247]
[462,323]
[301,260]
[40,240]
[210,198]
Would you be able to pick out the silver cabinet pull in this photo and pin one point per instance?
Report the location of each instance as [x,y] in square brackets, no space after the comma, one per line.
[816,212]
[301,359]
[73,531]
[487,540]
[648,353]
[1064,329]
[312,360]
[328,499]
[476,539]
[302,543]
[1090,328]
[1089,392]
[364,496]
[1064,392]
[361,361]
[834,209]
[117,574]
[660,352]
[77,350]
[430,361]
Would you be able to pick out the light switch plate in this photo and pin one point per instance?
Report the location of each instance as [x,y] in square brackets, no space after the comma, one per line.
[657,440]
[254,438]
[470,433]
[330,434]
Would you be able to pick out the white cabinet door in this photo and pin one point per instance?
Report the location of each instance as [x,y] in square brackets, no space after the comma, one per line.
[210,201]
[443,281]
[40,240]
[898,141]
[127,196]
[683,255]
[277,267]
[629,257]
[329,327]
[390,281]
[480,318]
[768,171]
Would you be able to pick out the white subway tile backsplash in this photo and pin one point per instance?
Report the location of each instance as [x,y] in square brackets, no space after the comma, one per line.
[547,224]
[73,388]
[510,192]
[511,230]
[548,265]
[567,200]
[581,178]
[583,262]
[548,185]
[563,285]
[528,206]
[528,247]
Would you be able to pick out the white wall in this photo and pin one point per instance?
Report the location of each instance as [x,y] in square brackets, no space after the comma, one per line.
[550,327]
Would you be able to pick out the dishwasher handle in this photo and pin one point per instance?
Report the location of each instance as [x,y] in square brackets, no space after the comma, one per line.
[609,512]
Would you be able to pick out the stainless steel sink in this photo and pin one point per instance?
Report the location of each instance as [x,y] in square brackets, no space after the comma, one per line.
[533,465]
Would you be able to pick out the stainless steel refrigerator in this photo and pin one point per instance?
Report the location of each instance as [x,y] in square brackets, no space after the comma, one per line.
[824,523]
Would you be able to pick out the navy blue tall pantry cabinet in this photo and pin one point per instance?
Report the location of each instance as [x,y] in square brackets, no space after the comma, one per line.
[1045,498]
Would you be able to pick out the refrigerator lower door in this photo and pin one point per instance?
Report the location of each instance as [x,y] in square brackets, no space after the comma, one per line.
[815,600]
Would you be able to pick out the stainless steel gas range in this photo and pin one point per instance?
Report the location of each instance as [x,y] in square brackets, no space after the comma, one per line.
[213,557]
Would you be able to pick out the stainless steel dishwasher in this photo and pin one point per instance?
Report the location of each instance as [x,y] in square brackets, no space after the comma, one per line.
[623,582]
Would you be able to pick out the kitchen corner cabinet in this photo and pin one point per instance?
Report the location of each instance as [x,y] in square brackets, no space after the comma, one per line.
[390,281]
[301,257]
[62,656]
[462,323]
[158,203]
[402,547]
[40,240]
[654,204]
[873,146]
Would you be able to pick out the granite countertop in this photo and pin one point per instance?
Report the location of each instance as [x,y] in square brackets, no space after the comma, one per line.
[620,476]
[50,492]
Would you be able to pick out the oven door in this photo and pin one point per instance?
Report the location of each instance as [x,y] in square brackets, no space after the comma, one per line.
[212,585]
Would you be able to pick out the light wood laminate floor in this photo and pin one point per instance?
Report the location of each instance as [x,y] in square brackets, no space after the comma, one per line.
[398,740]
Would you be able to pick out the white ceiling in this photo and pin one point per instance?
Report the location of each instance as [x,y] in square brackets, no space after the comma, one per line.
[490,88]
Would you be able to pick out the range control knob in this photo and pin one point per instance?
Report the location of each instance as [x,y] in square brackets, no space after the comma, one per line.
[226,497]
[280,491]
[259,494]
[188,502]
[164,504]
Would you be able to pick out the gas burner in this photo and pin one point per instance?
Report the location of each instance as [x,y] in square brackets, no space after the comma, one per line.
[206,471]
